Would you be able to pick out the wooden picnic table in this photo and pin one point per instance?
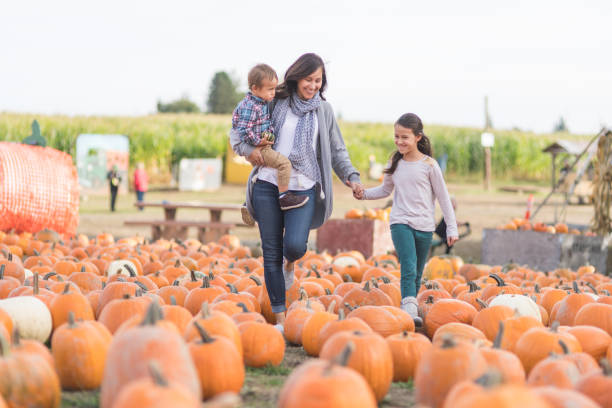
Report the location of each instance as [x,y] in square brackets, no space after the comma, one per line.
[170,227]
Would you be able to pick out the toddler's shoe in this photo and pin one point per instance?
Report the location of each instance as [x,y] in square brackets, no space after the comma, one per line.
[291,200]
[410,306]
[246,216]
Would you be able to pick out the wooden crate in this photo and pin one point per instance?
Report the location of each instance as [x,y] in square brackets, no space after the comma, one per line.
[370,237]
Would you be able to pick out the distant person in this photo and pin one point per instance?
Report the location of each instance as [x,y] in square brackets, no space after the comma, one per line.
[141,183]
[418,182]
[114,180]
[251,120]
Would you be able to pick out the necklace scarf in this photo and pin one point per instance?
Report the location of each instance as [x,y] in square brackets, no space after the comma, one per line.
[302,156]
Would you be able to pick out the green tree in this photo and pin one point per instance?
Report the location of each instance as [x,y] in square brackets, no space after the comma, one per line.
[560,126]
[223,95]
[180,105]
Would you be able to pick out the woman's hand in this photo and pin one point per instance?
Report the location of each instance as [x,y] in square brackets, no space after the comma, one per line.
[451,241]
[357,189]
[255,158]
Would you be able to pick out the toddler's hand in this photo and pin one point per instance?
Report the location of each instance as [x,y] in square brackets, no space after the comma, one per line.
[451,241]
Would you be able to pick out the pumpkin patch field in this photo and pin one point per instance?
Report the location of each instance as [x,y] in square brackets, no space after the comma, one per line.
[128,323]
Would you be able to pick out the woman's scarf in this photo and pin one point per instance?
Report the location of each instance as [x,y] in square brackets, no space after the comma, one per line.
[302,156]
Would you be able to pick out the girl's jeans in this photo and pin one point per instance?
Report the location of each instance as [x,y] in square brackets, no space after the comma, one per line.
[295,224]
[412,247]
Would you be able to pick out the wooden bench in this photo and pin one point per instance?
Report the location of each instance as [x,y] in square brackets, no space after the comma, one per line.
[170,227]
[207,230]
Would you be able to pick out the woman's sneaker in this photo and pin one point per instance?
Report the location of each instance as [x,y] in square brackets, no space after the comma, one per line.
[290,200]
[410,306]
[246,216]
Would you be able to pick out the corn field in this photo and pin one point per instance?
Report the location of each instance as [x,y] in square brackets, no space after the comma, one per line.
[163,140]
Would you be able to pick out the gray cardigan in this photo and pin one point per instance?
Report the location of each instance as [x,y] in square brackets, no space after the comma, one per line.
[331,154]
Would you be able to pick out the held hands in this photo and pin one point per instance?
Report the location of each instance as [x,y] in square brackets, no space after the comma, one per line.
[357,190]
[255,158]
[451,240]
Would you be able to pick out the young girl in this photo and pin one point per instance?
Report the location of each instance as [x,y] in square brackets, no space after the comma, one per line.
[418,181]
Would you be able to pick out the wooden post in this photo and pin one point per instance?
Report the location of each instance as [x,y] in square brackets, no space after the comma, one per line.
[554,172]
[487,180]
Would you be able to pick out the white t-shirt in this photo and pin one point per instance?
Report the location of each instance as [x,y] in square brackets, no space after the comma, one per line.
[298,181]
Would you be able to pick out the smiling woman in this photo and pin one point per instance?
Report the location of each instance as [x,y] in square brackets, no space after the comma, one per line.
[307,134]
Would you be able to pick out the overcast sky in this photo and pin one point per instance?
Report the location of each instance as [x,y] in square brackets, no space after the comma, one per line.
[536,60]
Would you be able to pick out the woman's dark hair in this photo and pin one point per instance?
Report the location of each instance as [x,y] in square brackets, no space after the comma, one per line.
[413,122]
[300,69]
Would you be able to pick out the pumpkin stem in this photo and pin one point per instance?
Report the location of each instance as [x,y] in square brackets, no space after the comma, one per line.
[327,291]
[343,358]
[448,341]
[590,285]
[255,279]
[490,379]
[575,287]
[193,275]
[554,326]
[341,314]
[367,286]
[205,311]
[127,295]
[203,333]
[16,337]
[51,274]
[177,263]
[349,307]
[536,288]
[245,309]
[332,306]
[314,268]
[430,299]
[176,282]
[2,267]
[83,269]
[347,277]
[374,284]
[605,365]
[71,321]
[385,279]
[497,279]
[564,347]
[156,374]
[303,294]
[141,285]
[5,348]
[172,300]
[153,314]
[205,282]
[66,289]
[232,288]
[130,270]
[500,335]
[481,303]
[35,283]
[473,286]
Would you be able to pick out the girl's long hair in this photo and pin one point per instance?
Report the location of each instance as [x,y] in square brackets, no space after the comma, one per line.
[413,122]
[300,69]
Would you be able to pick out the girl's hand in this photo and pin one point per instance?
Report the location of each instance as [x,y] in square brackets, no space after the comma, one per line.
[357,189]
[451,240]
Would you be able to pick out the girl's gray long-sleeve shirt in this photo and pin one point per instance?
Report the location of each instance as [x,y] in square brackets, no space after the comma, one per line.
[417,185]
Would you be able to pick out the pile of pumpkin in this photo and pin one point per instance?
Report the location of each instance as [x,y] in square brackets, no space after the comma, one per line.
[523,224]
[173,323]
[381,214]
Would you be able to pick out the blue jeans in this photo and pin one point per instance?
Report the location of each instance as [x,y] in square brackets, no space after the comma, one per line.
[140,198]
[412,247]
[295,224]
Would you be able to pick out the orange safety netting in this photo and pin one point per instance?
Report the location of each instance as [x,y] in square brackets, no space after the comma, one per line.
[39,189]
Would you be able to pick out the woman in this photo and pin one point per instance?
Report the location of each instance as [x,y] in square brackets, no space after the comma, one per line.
[306,133]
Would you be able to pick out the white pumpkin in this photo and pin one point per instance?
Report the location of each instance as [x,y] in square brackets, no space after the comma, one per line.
[346,260]
[30,315]
[521,304]
[28,273]
[119,268]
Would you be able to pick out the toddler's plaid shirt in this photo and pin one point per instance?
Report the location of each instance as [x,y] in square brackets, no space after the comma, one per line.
[251,118]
